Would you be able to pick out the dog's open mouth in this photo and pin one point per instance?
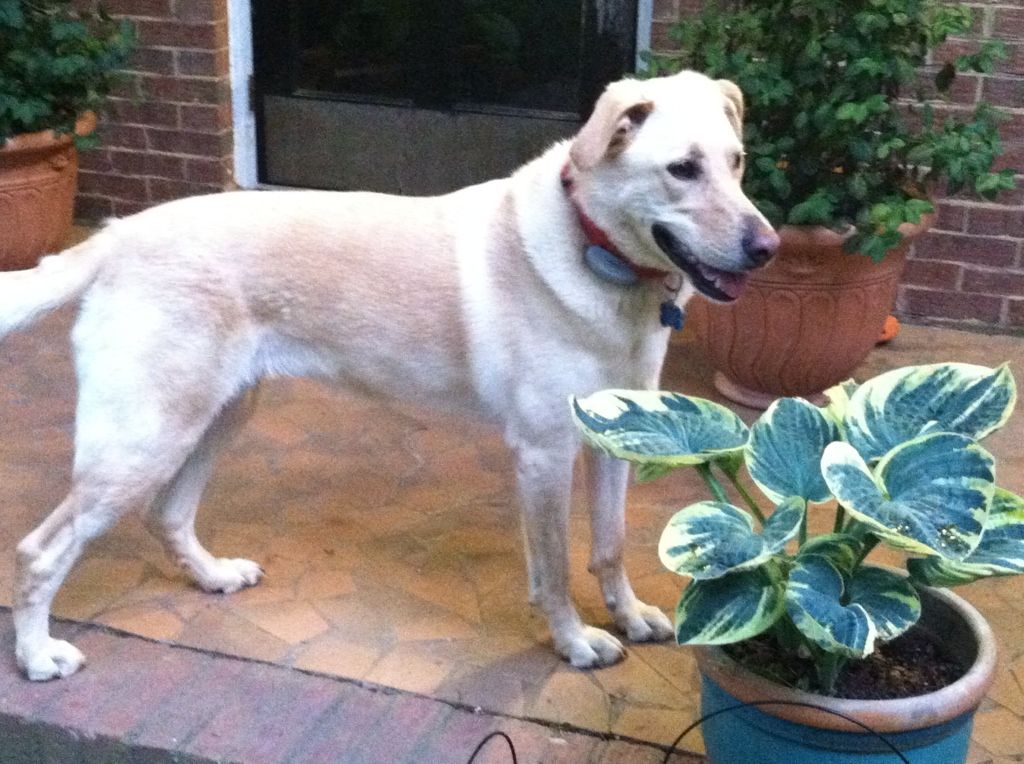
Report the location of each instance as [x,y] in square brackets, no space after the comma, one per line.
[719,285]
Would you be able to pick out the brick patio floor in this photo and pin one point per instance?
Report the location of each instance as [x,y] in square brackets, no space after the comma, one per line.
[390,541]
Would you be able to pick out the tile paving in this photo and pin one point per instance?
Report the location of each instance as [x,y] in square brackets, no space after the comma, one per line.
[390,541]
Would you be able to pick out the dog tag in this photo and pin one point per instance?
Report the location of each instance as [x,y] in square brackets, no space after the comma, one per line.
[671,315]
[609,266]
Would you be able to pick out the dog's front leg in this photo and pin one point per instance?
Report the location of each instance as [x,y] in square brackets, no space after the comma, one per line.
[607,479]
[544,478]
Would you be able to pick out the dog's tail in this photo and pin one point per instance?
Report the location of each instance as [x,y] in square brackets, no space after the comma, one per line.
[58,279]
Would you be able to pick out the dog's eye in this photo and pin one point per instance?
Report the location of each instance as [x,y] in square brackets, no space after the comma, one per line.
[685,170]
[737,161]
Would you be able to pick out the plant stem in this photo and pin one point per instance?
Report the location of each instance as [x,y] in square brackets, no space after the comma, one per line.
[837,527]
[746,496]
[869,543]
[802,538]
[829,665]
[704,470]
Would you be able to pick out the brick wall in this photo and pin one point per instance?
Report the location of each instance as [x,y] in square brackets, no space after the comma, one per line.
[970,269]
[167,133]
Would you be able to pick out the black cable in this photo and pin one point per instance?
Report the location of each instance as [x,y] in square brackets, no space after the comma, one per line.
[753,704]
[756,703]
[486,740]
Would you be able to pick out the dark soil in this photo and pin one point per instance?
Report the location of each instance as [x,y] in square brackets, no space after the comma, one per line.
[913,664]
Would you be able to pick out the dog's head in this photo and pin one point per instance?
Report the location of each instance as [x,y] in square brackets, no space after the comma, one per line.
[658,167]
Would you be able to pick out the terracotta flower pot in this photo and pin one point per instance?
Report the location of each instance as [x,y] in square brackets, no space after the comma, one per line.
[933,728]
[805,322]
[38,178]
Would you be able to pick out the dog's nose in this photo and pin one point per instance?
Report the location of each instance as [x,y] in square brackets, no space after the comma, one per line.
[760,243]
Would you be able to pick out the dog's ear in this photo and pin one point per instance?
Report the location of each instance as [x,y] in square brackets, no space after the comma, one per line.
[618,115]
[733,105]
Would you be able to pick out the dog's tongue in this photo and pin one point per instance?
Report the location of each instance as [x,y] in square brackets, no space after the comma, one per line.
[731,283]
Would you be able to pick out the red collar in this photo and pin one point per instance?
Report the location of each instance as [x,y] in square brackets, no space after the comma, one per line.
[596,235]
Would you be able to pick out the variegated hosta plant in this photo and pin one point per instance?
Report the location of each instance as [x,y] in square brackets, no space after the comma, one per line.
[897,459]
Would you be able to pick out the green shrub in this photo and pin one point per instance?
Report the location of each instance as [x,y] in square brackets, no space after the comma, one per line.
[55,63]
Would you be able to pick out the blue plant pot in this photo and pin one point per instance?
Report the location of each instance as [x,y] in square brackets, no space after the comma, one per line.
[927,729]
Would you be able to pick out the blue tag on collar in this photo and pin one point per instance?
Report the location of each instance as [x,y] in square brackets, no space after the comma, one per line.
[609,266]
[671,315]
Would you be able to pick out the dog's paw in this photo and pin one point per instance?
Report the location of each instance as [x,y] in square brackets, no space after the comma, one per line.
[230,575]
[644,623]
[589,647]
[54,659]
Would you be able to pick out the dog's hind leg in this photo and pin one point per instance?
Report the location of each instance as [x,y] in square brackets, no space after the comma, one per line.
[115,472]
[171,517]
[606,480]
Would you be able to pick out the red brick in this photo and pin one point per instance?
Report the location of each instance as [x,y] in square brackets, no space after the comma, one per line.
[931,274]
[951,306]
[994,282]
[1003,91]
[411,721]
[95,160]
[152,61]
[162,190]
[978,250]
[93,207]
[456,740]
[148,164]
[996,221]
[271,712]
[202,63]
[192,706]
[192,144]
[132,112]
[123,209]
[175,34]
[1015,313]
[185,90]
[660,40]
[195,11]
[139,8]
[212,171]
[665,10]
[202,118]
[1009,23]
[950,217]
[358,716]
[535,742]
[114,186]
[123,136]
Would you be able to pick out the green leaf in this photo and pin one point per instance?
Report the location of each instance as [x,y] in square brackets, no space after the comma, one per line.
[730,609]
[710,539]
[839,400]
[784,451]
[840,549]
[928,496]
[888,598]
[658,427]
[814,601]
[1000,552]
[953,397]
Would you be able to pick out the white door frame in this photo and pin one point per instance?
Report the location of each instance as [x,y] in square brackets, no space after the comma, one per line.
[243,118]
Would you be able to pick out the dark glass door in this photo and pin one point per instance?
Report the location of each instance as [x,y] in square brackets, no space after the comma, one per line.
[424,96]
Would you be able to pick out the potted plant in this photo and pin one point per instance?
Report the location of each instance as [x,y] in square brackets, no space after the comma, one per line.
[57,66]
[844,151]
[799,621]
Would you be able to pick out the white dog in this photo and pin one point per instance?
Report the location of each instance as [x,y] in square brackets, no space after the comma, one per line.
[503,298]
